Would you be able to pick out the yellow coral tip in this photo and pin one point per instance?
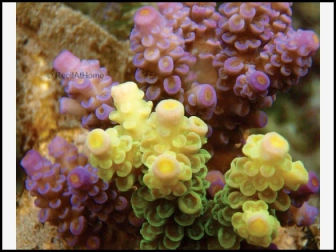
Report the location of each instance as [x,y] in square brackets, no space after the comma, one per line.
[169,104]
[97,141]
[277,141]
[169,112]
[258,226]
[166,167]
[121,92]
[198,126]
[275,145]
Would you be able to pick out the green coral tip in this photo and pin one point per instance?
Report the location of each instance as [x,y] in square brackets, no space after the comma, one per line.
[190,203]
[184,219]
[196,231]
[169,244]
[148,245]
[174,232]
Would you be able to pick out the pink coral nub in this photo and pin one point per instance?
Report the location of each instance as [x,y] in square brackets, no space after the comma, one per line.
[146,18]
[307,41]
[217,182]
[305,215]
[71,106]
[65,61]
[30,161]
[57,145]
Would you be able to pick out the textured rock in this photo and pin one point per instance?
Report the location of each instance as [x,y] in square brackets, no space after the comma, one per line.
[43,31]
[30,233]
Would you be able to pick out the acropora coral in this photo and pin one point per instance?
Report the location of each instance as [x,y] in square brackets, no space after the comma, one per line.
[168,159]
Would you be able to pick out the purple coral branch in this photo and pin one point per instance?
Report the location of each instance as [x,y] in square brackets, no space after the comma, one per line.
[87,87]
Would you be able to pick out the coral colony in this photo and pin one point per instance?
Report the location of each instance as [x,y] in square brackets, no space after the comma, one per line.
[170,160]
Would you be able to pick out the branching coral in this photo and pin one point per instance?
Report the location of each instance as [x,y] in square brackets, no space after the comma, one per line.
[267,170]
[113,153]
[131,110]
[117,150]
[223,66]
[208,74]
[72,197]
[258,186]
[171,149]
[88,88]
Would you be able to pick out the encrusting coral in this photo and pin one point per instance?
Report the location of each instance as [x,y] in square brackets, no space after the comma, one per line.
[207,74]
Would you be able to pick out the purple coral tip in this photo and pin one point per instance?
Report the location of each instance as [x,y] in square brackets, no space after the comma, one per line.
[56,146]
[153,93]
[247,11]
[65,61]
[78,226]
[228,9]
[139,60]
[308,42]
[257,119]
[152,54]
[312,186]
[121,203]
[236,23]
[93,243]
[101,198]
[258,81]
[305,215]
[79,178]
[166,65]
[215,187]
[233,65]
[46,214]
[314,182]
[205,95]
[217,182]
[172,84]
[146,18]
[166,6]
[103,112]
[30,161]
